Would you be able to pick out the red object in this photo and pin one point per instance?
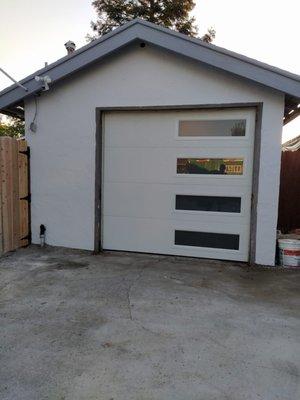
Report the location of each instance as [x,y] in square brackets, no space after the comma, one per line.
[291,253]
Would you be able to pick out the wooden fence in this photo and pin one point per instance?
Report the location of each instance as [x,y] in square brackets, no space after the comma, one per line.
[14,194]
[289,196]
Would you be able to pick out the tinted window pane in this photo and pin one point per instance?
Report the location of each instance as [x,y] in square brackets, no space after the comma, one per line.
[207,239]
[208,203]
[211,166]
[228,127]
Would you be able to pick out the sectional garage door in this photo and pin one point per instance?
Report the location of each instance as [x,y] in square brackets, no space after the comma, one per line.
[178,182]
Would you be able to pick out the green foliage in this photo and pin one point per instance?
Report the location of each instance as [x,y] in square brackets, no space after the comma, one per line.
[174,14]
[13,127]
[209,36]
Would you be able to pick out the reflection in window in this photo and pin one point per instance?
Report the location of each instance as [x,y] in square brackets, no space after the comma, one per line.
[228,127]
[210,166]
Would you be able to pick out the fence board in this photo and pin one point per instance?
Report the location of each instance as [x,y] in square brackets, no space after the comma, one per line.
[6,188]
[15,196]
[289,197]
[23,192]
[1,231]
[14,223]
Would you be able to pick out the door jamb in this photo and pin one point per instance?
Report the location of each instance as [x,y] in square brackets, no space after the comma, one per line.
[98,181]
[98,239]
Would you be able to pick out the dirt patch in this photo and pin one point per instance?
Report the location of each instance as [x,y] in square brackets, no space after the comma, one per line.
[61,264]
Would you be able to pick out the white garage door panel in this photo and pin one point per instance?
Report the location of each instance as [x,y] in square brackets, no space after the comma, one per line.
[154,165]
[151,235]
[133,200]
[141,132]
[141,181]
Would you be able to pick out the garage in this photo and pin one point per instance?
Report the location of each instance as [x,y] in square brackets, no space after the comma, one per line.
[147,140]
[178,182]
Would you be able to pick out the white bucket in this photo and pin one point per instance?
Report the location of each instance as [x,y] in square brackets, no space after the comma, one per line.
[289,251]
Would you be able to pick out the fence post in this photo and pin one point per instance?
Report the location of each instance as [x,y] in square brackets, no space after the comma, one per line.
[24,195]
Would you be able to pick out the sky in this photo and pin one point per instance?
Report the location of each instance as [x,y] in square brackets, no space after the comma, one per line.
[33,32]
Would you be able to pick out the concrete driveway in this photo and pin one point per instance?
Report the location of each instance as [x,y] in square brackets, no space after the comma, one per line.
[128,326]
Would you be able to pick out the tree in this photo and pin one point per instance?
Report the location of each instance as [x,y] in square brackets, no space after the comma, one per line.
[209,35]
[13,127]
[174,14]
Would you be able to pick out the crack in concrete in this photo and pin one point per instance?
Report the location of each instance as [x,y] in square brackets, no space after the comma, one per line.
[128,293]
[128,296]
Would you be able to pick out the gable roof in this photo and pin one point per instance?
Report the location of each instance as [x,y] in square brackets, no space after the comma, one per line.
[140,30]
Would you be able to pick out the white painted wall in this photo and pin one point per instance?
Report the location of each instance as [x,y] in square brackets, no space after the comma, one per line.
[63,148]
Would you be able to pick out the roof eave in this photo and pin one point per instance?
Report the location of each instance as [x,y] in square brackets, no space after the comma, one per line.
[168,40]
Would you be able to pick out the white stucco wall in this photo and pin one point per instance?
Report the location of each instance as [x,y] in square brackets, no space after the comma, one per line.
[63,148]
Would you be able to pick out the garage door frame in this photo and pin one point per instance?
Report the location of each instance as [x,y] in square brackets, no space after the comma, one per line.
[100,111]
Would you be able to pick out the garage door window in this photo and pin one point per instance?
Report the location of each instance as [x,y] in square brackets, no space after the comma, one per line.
[208,203]
[198,128]
[207,239]
[210,166]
